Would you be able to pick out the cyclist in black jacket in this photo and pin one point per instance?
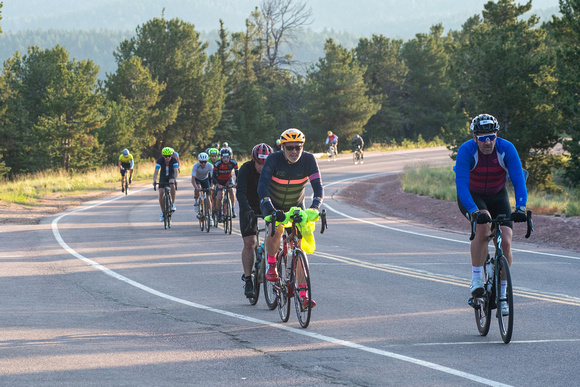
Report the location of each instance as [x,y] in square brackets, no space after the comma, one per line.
[247,195]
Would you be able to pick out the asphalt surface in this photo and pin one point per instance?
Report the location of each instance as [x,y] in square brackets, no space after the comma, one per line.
[103,295]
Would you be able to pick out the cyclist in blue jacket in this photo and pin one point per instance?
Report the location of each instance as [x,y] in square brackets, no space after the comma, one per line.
[482,167]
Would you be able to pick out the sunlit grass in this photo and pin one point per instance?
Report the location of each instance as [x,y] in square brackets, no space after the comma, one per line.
[27,189]
[439,183]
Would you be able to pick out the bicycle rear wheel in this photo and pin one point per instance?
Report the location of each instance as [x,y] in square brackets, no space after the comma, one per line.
[506,321]
[206,214]
[482,314]
[302,288]
[269,291]
[283,297]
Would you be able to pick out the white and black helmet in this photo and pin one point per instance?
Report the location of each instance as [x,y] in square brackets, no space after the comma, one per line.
[202,156]
[484,123]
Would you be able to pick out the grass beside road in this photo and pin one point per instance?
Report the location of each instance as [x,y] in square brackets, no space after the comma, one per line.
[439,183]
[26,190]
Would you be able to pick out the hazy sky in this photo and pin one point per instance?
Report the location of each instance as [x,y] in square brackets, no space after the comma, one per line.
[357,17]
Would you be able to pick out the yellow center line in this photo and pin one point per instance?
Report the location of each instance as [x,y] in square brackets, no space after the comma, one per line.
[442,279]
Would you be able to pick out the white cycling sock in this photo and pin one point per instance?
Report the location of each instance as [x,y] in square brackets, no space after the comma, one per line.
[477,272]
[503,287]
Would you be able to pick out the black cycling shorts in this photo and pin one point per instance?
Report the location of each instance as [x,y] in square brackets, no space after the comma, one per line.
[496,204]
[164,181]
[246,228]
[126,167]
[205,184]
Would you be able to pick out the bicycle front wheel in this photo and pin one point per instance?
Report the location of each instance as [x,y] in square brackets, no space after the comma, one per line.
[255,279]
[126,185]
[206,214]
[227,216]
[200,213]
[166,211]
[505,314]
[283,297]
[302,290]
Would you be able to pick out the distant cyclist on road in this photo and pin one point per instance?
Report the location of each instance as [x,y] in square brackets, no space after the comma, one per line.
[281,187]
[226,146]
[201,173]
[126,163]
[222,177]
[332,139]
[482,166]
[359,143]
[167,167]
[247,195]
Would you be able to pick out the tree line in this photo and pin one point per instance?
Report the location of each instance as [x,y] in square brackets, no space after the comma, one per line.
[168,91]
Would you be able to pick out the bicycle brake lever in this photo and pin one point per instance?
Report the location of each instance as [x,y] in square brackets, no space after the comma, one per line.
[530,224]
[473,226]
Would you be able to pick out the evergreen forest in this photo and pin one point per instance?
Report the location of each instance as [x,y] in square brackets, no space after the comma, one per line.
[168,87]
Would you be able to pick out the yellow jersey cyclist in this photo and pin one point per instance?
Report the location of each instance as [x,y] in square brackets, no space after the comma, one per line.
[282,185]
[126,163]
[481,169]
[167,167]
[201,173]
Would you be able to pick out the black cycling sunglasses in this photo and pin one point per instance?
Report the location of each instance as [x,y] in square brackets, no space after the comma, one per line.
[166,156]
[291,148]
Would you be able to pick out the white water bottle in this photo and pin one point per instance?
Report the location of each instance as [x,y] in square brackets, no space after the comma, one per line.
[489,274]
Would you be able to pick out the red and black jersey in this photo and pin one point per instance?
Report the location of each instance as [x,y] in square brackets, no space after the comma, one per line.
[222,172]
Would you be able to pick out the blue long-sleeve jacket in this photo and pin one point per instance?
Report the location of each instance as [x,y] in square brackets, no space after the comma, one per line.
[467,157]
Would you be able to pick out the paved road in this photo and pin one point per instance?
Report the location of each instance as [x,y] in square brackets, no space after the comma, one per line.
[103,295]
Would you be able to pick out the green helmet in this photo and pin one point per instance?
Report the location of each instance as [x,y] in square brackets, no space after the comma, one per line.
[213,152]
[167,151]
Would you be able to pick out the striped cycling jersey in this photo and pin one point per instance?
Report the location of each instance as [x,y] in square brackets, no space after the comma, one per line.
[222,172]
[488,177]
[284,183]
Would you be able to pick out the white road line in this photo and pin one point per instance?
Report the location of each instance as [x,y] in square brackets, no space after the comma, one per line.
[302,332]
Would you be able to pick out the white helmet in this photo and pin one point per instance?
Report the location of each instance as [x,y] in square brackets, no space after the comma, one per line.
[202,156]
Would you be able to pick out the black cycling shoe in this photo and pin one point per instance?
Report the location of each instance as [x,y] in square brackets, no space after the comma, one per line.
[249,288]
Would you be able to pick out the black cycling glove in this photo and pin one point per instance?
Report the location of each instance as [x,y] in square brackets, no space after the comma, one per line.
[480,217]
[278,215]
[519,215]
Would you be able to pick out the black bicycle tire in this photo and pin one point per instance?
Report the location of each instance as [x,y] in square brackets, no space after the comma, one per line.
[206,213]
[167,204]
[230,217]
[255,280]
[269,293]
[505,331]
[200,213]
[227,214]
[283,297]
[126,185]
[302,313]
